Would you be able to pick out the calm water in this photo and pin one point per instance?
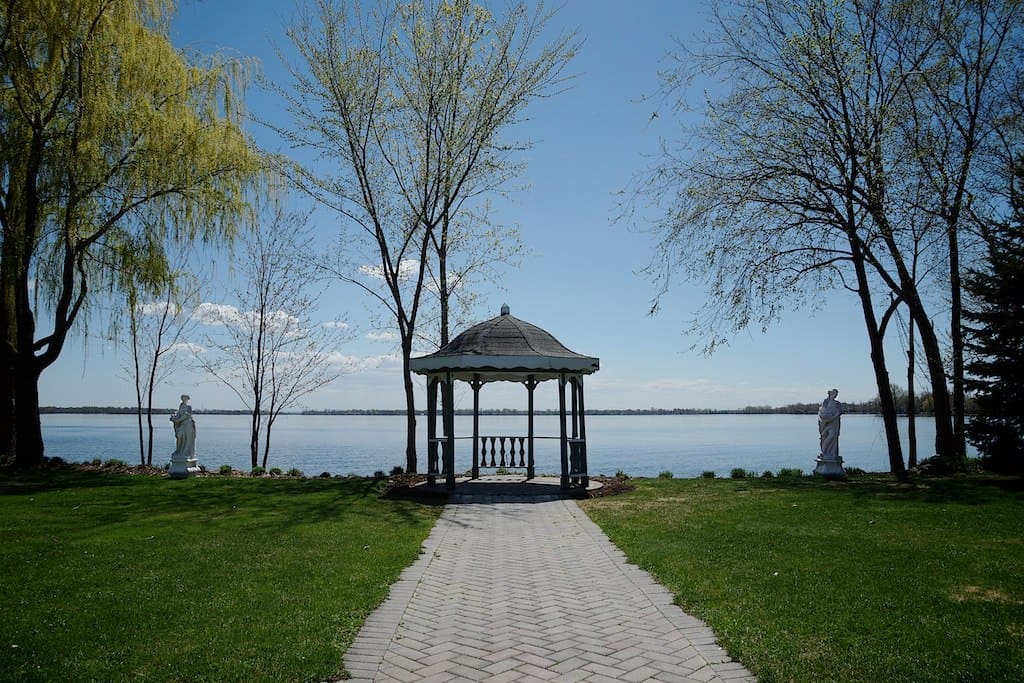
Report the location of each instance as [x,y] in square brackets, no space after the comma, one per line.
[640,445]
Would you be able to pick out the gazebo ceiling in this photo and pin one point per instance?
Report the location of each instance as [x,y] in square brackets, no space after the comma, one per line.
[504,349]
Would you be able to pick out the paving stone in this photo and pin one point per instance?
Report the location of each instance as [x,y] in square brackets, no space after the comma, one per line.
[522,589]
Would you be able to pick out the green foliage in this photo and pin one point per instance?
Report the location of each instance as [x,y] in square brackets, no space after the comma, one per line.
[738,473]
[791,473]
[265,579]
[225,469]
[276,471]
[295,472]
[707,474]
[665,475]
[397,469]
[258,471]
[810,581]
[378,475]
[115,462]
[994,338]
[114,145]
[96,461]
[767,474]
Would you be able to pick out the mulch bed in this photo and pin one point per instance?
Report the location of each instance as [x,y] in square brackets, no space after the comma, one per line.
[409,487]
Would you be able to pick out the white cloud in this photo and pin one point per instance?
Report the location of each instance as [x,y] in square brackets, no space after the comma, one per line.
[382,336]
[407,270]
[336,325]
[359,363]
[186,347]
[216,314]
[157,308]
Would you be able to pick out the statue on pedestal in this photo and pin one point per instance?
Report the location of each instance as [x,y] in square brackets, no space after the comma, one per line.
[830,465]
[183,460]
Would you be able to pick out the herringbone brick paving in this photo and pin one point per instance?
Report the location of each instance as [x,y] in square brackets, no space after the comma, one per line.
[527,589]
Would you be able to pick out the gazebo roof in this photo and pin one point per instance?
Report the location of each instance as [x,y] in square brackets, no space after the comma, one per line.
[504,348]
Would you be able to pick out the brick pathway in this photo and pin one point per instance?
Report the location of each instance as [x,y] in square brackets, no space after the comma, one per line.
[528,589]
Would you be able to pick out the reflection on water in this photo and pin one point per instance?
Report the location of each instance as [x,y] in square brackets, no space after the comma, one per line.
[640,445]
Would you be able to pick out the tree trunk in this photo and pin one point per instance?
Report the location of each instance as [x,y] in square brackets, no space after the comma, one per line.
[29,427]
[959,449]
[911,400]
[410,407]
[887,404]
[944,447]
[254,437]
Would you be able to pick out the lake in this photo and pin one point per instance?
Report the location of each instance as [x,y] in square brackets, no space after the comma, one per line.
[639,445]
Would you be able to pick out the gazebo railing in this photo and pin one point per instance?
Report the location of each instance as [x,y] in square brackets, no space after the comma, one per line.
[493,452]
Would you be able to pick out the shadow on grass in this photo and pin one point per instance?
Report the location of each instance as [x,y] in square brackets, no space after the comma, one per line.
[271,502]
[975,489]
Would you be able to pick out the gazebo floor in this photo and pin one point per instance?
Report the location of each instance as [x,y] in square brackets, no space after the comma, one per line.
[510,486]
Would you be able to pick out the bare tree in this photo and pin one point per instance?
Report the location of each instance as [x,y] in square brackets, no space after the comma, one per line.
[808,173]
[268,348]
[157,329]
[408,101]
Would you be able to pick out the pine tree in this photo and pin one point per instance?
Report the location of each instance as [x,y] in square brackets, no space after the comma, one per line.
[994,333]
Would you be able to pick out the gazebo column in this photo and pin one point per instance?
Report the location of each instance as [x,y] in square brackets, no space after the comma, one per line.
[431,429]
[449,431]
[531,469]
[585,480]
[563,437]
[476,384]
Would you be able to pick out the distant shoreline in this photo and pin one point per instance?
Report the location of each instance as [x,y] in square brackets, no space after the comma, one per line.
[803,409]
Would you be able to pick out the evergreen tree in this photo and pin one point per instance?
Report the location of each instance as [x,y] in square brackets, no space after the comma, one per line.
[994,333]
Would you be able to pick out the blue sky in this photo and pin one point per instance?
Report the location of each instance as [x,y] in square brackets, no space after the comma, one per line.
[580,281]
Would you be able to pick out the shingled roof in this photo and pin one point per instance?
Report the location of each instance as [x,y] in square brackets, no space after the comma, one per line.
[505,348]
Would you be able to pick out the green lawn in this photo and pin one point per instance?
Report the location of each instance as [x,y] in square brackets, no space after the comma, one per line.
[107,577]
[867,580]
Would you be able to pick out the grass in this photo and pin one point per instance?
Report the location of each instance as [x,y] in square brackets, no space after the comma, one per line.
[866,580]
[107,577]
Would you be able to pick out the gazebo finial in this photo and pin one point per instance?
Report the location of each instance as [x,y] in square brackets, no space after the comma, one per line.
[505,310]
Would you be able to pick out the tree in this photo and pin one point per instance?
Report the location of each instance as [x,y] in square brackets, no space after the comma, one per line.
[269,349]
[812,171]
[156,329]
[409,102]
[110,141]
[994,338]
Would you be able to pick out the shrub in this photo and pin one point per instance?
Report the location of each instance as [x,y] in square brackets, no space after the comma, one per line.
[276,471]
[295,472]
[707,474]
[258,471]
[325,475]
[167,466]
[665,475]
[738,473]
[397,469]
[379,474]
[791,472]
[115,462]
[619,474]
[96,461]
[767,474]
[854,471]
[225,469]
[202,468]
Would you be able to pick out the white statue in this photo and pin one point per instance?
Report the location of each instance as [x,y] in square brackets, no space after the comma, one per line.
[830,465]
[183,460]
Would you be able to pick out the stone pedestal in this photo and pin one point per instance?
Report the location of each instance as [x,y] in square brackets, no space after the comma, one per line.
[183,468]
[830,468]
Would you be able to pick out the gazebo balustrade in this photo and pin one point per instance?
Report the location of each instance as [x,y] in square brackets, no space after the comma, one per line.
[495,447]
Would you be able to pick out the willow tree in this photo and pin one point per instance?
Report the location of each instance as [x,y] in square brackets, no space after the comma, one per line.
[819,169]
[112,142]
[404,106]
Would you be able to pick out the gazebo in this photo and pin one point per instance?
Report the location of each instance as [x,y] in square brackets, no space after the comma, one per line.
[505,349]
